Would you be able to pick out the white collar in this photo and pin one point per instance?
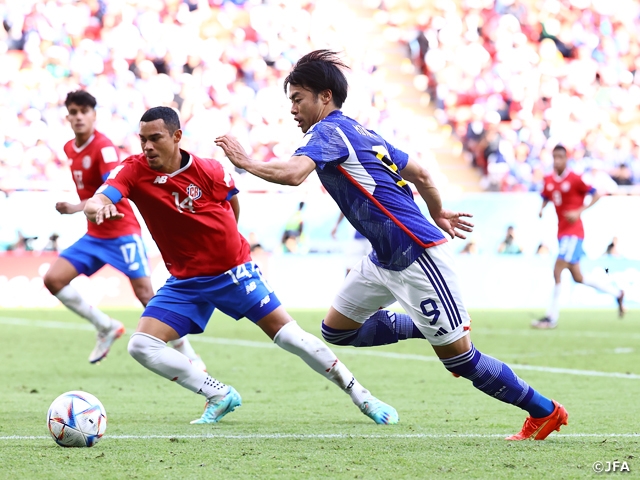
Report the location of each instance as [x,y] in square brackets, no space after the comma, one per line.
[84,145]
[564,175]
[180,170]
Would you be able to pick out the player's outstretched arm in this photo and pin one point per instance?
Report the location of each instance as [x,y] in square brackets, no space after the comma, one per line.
[447,220]
[66,208]
[100,208]
[291,172]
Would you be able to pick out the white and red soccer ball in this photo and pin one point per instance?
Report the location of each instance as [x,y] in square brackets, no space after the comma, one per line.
[76,419]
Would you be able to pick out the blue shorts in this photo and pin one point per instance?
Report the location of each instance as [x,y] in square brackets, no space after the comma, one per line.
[127,254]
[570,249]
[187,305]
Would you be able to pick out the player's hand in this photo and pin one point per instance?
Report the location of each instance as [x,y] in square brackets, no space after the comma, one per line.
[108,212]
[66,208]
[233,150]
[452,223]
[572,216]
[540,214]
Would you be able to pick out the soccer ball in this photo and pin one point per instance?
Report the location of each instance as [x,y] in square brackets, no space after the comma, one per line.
[76,419]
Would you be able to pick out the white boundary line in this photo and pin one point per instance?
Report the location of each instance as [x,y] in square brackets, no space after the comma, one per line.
[320,436]
[343,351]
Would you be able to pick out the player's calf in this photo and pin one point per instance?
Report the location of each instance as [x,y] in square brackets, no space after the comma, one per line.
[497,380]
[382,328]
[153,354]
[321,359]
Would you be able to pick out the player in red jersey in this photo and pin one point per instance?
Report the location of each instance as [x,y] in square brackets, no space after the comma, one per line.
[191,210]
[567,191]
[118,244]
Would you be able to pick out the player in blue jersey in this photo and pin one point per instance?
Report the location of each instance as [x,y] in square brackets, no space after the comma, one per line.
[410,261]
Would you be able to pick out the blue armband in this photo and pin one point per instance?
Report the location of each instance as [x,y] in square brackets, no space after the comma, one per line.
[112,193]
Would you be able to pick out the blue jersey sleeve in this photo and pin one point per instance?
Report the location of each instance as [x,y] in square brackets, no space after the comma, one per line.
[398,157]
[323,144]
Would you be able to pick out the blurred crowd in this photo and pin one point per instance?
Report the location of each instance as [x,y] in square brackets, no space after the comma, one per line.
[220,63]
[516,77]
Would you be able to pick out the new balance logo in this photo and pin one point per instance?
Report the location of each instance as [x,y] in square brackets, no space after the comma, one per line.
[251,287]
[265,300]
[441,331]
[161,179]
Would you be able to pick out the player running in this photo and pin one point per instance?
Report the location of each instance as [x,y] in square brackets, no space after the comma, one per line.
[410,263]
[118,244]
[190,207]
[567,191]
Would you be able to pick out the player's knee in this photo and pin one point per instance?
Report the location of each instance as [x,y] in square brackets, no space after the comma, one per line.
[338,337]
[142,347]
[53,283]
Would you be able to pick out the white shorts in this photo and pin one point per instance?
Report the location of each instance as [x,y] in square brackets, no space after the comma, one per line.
[427,290]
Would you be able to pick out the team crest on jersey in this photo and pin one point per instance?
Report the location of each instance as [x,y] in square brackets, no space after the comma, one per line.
[86,162]
[565,186]
[549,186]
[194,192]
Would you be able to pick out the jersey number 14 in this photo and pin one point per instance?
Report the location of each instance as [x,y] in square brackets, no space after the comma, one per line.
[186,204]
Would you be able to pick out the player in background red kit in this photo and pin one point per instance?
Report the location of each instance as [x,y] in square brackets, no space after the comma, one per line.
[118,244]
[567,191]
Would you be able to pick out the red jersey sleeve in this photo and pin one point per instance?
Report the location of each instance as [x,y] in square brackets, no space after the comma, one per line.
[545,191]
[107,156]
[582,187]
[222,182]
[123,176]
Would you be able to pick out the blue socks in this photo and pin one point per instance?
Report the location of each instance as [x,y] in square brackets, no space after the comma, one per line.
[381,328]
[497,380]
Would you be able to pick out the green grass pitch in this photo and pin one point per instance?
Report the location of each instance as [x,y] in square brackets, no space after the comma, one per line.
[295,424]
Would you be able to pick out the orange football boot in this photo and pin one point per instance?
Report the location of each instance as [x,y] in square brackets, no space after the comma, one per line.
[540,428]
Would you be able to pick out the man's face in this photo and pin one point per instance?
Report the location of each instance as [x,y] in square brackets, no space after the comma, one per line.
[559,161]
[305,107]
[81,118]
[158,144]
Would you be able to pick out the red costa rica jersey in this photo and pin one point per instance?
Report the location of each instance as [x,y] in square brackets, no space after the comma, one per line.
[567,193]
[89,164]
[187,212]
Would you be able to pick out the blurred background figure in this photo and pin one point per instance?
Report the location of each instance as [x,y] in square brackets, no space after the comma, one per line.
[509,245]
[292,235]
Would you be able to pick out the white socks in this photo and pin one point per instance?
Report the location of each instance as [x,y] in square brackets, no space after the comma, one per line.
[183,345]
[153,353]
[554,309]
[321,359]
[601,284]
[71,299]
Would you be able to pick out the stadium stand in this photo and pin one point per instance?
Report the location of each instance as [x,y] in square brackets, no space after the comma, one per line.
[514,77]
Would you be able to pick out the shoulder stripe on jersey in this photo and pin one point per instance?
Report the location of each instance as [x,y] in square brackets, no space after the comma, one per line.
[387,212]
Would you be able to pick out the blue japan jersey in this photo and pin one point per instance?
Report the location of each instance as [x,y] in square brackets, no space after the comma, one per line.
[360,170]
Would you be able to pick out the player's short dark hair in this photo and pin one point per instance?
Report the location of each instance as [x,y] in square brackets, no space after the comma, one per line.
[318,71]
[166,114]
[82,98]
[560,148]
